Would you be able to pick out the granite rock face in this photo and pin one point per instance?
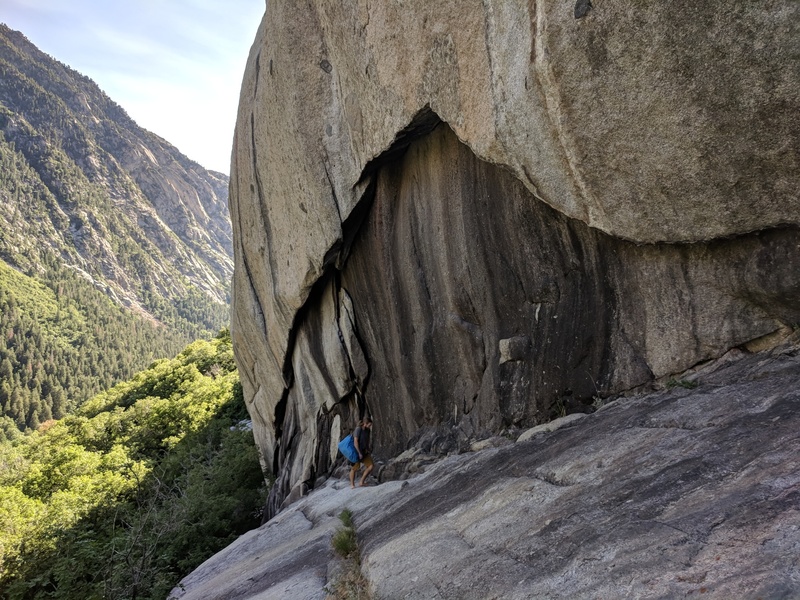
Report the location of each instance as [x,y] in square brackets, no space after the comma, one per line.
[485,308]
[470,215]
[681,493]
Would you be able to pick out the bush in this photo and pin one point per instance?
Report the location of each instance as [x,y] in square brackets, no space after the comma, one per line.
[344,542]
[346,517]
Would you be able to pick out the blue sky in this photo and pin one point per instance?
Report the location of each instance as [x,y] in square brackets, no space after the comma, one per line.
[175,66]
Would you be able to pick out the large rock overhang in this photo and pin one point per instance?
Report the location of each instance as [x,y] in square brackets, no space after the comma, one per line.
[614,120]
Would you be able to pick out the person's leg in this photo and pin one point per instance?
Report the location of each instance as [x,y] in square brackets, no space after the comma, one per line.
[353,470]
[368,464]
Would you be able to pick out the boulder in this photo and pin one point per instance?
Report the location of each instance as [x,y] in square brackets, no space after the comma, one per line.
[528,205]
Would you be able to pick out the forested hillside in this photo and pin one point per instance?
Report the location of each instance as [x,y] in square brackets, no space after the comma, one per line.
[133,490]
[80,180]
[115,248]
[62,341]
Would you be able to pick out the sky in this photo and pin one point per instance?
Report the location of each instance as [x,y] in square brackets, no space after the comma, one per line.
[175,66]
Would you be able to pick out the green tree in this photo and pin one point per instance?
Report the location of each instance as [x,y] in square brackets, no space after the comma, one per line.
[148,479]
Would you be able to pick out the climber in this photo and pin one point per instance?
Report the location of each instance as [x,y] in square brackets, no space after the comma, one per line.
[363,444]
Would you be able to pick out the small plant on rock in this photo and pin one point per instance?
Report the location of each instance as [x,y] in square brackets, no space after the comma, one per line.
[344,540]
[346,517]
[683,383]
[350,584]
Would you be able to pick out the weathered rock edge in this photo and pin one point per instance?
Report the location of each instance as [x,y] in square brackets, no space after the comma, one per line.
[667,495]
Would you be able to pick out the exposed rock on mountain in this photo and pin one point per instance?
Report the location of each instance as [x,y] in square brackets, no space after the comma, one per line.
[482,215]
[81,181]
[682,493]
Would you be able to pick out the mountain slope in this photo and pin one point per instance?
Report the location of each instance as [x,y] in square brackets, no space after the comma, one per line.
[80,180]
[115,249]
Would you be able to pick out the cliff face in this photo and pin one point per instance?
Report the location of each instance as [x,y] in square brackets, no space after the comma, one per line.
[470,216]
[82,182]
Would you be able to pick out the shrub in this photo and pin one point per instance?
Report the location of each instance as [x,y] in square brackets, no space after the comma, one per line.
[344,542]
[346,517]
[683,383]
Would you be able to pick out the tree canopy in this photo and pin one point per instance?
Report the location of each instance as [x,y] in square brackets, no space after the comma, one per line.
[62,341]
[136,488]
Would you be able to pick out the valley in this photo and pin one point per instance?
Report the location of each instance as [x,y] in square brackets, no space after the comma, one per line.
[115,248]
[124,437]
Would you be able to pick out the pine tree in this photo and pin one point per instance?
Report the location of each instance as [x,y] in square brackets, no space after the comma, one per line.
[16,409]
[6,370]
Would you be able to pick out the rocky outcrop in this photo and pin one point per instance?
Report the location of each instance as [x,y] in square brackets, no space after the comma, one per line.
[681,493]
[479,304]
[482,214]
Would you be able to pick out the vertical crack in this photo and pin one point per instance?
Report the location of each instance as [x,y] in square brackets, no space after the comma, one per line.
[333,192]
[249,272]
